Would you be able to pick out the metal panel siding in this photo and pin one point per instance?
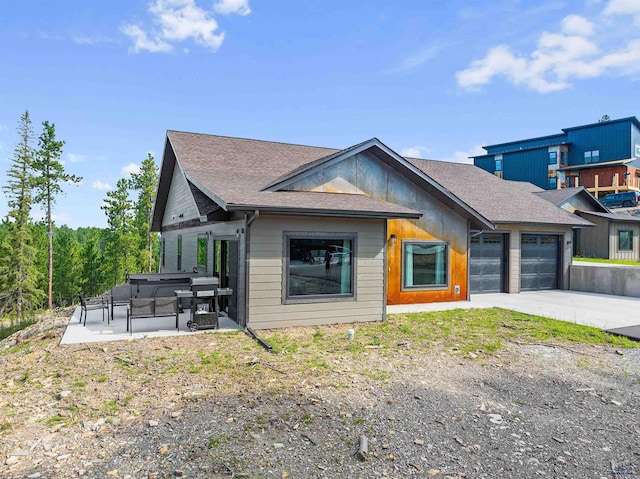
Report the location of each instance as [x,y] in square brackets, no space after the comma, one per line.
[267,259]
[612,139]
[635,141]
[528,166]
[541,142]
[487,163]
[372,177]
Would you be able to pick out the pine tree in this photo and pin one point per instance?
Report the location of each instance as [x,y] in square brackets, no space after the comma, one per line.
[119,250]
[145,184]
[49,177]
[93,266]
[18,269]
[67,269]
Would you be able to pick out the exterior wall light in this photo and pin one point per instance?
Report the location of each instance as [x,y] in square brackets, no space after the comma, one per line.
[392,239]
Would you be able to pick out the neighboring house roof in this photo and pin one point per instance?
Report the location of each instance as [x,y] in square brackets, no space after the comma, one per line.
[617,217]
[499,200]
[565,195]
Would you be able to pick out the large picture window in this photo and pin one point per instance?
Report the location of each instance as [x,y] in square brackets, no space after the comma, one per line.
[425,265]
[625,240]
[319,267]
[179,249]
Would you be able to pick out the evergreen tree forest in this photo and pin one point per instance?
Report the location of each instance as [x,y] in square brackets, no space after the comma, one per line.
[44,265]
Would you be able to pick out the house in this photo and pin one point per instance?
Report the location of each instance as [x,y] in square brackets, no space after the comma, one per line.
[531,246]
[615,235]
[306,235]
[603,157]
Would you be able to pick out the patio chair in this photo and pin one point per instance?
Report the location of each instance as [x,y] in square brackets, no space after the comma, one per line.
[91,304]
[119,296]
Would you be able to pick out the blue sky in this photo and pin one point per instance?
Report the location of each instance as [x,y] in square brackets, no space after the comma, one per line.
[430,78]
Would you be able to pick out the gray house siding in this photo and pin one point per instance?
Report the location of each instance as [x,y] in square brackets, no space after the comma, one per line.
[180,203]
[614,247]
[594,242]
[267,267]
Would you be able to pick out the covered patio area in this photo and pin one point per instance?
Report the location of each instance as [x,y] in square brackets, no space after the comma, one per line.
[99,330]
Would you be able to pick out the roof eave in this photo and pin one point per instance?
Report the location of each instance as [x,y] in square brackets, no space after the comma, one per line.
[283,210]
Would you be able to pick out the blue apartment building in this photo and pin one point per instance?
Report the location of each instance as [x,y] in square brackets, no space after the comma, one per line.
[603,157]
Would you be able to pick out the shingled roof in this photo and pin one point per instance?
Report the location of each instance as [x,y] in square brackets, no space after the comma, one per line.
[499,200]
[234,173]
[560,197]
[243,174]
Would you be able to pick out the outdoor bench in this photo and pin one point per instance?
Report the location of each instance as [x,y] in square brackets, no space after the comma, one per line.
[152,308]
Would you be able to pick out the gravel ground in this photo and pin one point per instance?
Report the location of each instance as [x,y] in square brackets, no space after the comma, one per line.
[533,410]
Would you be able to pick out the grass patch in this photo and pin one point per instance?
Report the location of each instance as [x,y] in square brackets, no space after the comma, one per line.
[460,331]
[629,262]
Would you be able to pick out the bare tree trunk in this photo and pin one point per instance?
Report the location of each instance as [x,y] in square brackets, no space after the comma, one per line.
[50,234]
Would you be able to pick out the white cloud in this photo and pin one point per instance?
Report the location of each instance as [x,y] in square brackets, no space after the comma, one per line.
[241,7]
[624,7]
[181,20]
[130,169]
[74,158]
[415,151]
[463,156]
[575,52]
[99,185]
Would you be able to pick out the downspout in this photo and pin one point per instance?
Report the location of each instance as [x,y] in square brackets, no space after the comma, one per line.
[247,252]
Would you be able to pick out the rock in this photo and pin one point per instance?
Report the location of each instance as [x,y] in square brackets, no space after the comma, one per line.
[176,414]
[419,442]
[11,460]
[278,445]
[495,418]
[63,457]
[163,449]
[153,423]
[179,473]
[433,472]
[35,475]
[63,394]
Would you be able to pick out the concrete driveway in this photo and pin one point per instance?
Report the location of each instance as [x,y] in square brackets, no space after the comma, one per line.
[600,310]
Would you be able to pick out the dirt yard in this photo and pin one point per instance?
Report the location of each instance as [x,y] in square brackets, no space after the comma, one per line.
[218,405]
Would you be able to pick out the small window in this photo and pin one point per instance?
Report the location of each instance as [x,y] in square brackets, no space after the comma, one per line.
[179,248]
[319,267]
[592,156]
[425,265]
[202,252]
[164,249]
[498,164]
[553,183]
[625,240]
[553,158]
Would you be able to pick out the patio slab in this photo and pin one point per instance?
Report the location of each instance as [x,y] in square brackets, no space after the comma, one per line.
[98,330]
